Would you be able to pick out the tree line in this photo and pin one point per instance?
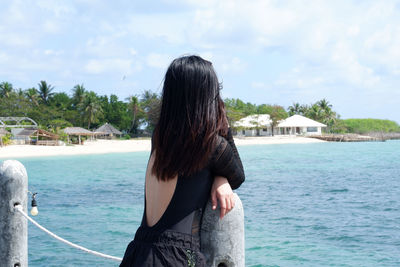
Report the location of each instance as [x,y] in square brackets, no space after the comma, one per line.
[138,114]
[320,111]
[83,108]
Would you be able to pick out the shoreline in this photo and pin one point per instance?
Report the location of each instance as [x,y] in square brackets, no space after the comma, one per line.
[125,146]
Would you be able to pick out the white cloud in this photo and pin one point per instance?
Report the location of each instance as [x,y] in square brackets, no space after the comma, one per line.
[207,55]
[353,30]
[15,40]
[331,34]
[315,45]
[56,8]
[165,26]
[50,52]
[234,65]
[299,78]
[258,85]
[97,66]
[51,26]
[133,52]
[160,61]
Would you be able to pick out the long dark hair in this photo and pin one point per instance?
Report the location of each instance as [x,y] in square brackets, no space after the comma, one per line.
[192,115]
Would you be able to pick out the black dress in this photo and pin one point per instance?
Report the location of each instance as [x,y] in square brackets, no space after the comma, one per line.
[175,239]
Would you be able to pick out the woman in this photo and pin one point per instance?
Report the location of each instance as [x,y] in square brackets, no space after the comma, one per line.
[191,145]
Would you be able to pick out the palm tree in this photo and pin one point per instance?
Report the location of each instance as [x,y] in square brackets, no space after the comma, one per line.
[147,98]
[148,94]
[330,119]
[78,94]
[151,104]
[19,92]
[134,108]
[32,95]
[6,89]
[304,109]
[91,108]
[45,91]
[324,105]
[315,112]
[294,109]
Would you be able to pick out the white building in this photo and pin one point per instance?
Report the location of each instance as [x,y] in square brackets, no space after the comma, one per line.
[254,125]
[260,125]
[300,125]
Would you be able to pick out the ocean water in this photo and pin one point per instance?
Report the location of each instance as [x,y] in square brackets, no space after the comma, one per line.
[322,204]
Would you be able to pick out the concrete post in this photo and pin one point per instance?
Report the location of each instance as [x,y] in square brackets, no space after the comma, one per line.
[222,241]
[13,226]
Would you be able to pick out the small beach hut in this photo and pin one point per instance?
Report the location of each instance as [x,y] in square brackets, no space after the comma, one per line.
[107,131]
[22,135]
[297,124]
[77,131]
[37,136]
[45,138]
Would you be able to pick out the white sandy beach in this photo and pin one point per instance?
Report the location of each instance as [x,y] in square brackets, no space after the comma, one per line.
[120,146]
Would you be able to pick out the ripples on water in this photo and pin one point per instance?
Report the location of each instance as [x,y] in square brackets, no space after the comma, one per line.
[323,204]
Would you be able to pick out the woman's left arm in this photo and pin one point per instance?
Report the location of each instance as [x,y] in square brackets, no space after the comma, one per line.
[226,161]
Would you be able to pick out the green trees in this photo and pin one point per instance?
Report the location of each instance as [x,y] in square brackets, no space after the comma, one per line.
[136,113]
[57,110]
[61,101]
[45,91]
[6,90]
[237,109]
[33,96]
[78,93]
[277,114]
[296,108]
[151,105]
[363,126]
[322,111]
[91,108]
[319,111]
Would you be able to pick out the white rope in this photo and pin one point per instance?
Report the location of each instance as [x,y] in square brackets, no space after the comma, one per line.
[20,209]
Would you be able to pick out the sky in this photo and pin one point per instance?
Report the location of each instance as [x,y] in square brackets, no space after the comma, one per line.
[272,52]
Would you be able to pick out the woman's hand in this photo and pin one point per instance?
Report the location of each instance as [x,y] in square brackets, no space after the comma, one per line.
[221,192]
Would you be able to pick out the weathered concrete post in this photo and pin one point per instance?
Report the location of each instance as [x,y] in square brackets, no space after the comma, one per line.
[222,241]
[13,226]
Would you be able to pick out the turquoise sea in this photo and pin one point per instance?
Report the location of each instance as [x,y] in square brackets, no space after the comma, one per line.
[322,204]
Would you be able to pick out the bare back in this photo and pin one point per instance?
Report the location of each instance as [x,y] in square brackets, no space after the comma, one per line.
[158,194]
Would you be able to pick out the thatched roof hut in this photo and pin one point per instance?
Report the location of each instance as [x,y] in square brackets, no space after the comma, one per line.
[77,131]
[107,130]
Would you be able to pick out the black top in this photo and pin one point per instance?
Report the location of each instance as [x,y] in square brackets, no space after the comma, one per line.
[184,211]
